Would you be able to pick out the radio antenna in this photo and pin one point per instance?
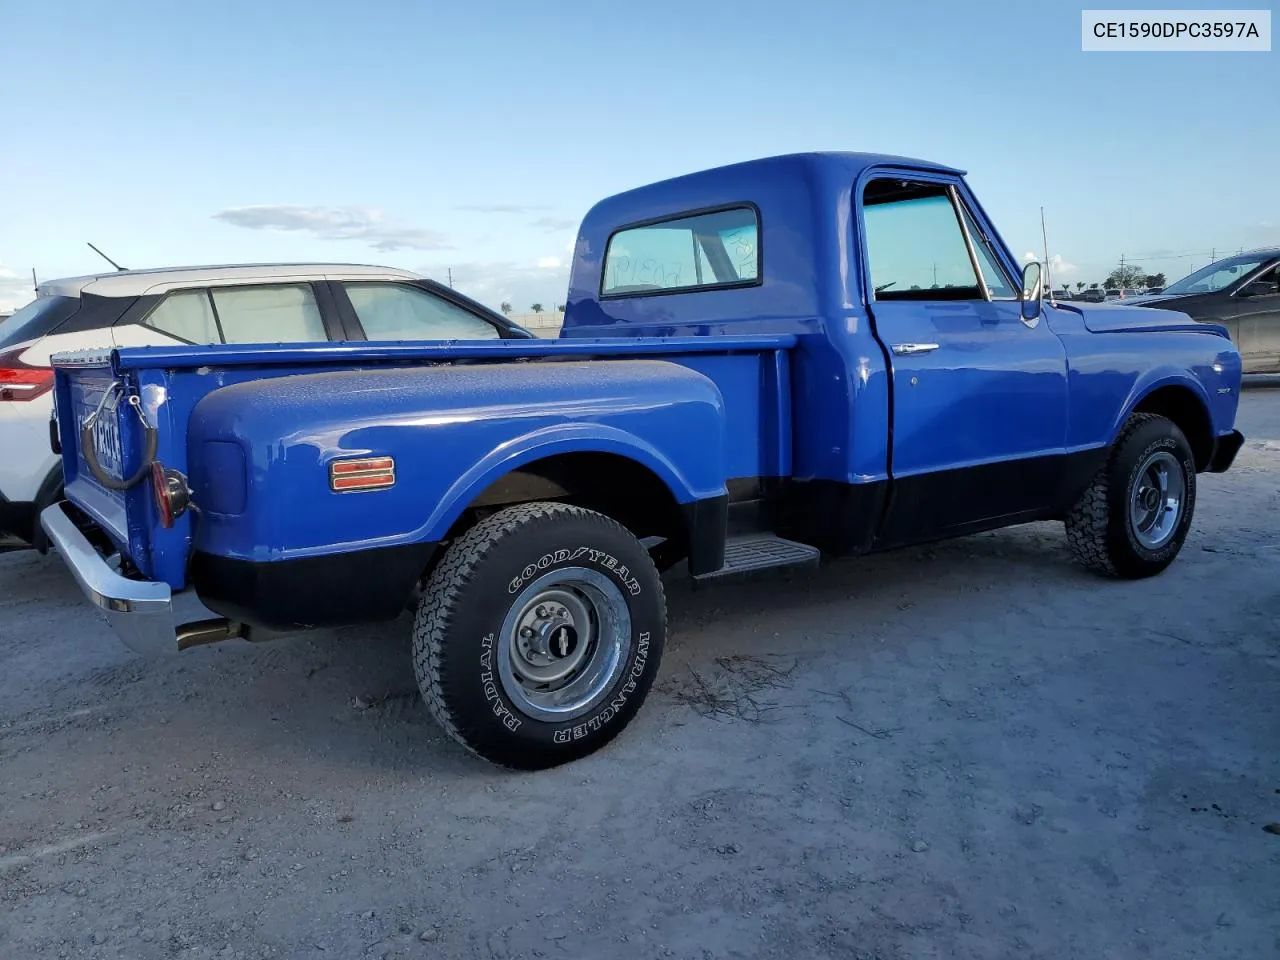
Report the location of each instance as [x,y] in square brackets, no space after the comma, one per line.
[104,256]
[1044,234]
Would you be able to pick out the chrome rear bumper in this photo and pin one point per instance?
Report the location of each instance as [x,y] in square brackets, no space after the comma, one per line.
[141,612]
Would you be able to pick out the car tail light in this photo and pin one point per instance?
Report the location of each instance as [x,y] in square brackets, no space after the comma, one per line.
[20,381]
[171,493]
[364,473]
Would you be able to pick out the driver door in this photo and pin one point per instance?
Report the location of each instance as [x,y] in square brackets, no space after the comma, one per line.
[1257,318]
[979,396]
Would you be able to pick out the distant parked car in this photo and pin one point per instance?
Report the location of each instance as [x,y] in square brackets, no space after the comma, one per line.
[1243,294]
[288,303]
[1091,295]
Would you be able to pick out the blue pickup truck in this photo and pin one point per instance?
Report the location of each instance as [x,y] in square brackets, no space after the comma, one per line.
[827,353]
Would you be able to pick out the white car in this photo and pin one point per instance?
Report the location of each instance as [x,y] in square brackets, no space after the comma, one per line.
[260,303]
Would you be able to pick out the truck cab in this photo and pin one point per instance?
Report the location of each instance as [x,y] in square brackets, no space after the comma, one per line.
[760,365]
[930,398]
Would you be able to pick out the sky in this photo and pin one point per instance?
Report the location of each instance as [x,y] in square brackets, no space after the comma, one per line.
[467,139]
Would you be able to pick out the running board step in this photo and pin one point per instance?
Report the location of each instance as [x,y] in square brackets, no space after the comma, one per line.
[762,551]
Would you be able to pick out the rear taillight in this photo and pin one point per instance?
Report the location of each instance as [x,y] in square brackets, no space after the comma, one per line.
[171,493]
[20,381]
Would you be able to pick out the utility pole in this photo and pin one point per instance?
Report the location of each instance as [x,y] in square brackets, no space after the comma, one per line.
[450,278]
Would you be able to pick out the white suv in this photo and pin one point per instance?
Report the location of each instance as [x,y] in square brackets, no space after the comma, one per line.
[260,303]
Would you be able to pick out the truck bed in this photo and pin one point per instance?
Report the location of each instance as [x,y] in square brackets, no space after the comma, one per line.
[748,375]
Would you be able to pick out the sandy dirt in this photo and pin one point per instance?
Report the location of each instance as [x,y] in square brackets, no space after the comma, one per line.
[967,750]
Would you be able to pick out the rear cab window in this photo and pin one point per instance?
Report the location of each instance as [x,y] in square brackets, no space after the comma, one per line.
[709,250]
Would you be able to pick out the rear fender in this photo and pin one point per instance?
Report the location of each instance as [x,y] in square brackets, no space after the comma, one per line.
[706,483]
[452,432]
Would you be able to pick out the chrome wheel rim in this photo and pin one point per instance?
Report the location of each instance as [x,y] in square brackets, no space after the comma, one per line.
[563,644]
[1157,500]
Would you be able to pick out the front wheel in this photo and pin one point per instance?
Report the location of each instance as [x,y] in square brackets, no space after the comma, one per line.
[1133,518]
[539,634]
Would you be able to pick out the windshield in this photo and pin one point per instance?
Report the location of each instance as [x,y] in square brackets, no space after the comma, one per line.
[36,319]
[1215,276]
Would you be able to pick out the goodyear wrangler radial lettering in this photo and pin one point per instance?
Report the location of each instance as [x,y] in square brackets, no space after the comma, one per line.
[509,719]
[578,731]
[559,556]
[608,561]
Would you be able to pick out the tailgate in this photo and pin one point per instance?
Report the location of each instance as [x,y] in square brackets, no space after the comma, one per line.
[90,394]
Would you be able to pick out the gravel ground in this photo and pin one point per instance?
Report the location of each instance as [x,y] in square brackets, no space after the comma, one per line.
[967,750]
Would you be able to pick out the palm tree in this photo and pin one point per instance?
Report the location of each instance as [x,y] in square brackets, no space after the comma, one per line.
[536,308]
[506,307]
[1079,284]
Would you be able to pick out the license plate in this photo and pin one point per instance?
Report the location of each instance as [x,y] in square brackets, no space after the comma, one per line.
[105,437]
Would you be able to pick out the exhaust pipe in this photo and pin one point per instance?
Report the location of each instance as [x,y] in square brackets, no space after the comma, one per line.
[201,632]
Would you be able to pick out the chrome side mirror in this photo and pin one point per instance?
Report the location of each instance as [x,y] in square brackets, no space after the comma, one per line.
[1031,291]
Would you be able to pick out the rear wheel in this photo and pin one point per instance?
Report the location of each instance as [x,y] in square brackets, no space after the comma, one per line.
[1133,518]
[539,634]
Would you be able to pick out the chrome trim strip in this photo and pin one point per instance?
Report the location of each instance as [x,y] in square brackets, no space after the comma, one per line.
[907,349]
[957,208]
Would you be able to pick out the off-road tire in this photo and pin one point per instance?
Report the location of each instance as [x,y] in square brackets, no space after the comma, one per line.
[462,610]
[1098,528]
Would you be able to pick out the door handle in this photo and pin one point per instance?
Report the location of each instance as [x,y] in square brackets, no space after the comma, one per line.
[906,349]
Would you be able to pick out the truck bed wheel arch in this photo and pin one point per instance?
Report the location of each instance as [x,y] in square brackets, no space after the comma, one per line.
[625,481]
[1181,404]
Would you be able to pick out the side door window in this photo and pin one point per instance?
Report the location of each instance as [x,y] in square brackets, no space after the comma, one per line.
[1265,285]
[270,313]
[397,311]
[186,315]
[998,282]
[916,249]
[1257,309]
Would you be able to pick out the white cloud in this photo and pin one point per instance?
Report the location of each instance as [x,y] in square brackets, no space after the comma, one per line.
[501,208]
[366,224]
[554,224]
[548,263]
[1059,269]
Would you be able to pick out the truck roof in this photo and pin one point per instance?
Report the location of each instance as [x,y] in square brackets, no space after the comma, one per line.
[136,283]
[642,202]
